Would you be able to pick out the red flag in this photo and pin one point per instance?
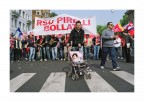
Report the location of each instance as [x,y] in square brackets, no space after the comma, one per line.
[118,28]
[131,32]
[128,25]
[130,28]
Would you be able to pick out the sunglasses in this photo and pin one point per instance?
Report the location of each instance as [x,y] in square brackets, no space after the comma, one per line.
[111,24]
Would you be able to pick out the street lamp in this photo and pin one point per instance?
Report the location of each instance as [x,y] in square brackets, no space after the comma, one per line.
[112,11]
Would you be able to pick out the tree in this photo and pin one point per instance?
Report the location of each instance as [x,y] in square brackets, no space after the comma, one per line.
[53,14]
[100,28]
[124,20]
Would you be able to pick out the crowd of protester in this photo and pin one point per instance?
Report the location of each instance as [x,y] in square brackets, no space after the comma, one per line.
[53,47]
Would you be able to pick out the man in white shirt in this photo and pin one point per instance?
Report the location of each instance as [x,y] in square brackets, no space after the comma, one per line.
[117,46]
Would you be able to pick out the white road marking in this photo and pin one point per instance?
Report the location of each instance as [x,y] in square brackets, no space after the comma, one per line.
[18,81]
[55,83]
[98,84]
[125,76]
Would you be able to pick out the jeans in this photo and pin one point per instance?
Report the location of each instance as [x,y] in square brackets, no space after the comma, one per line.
[42,51]
[111,52]
[24,53]
[54,53]
[127,54]
[32,53]
[81,50]
[75,49]
[48,52]
[118,49]
[17,54]
[11,54]
[87,52]
[96,52]
[61,52]
[123,52]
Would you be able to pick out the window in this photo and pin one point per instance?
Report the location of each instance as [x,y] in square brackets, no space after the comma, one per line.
[19,24]
[26,16]
[12,22]
[23,27]
[23,14]
[15,23]
[27,28]
[46,15]
[37,12]
[20,12]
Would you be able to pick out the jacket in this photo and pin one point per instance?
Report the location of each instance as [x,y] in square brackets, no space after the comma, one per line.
[76,37]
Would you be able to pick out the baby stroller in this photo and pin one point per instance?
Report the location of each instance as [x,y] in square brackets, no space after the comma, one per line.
[79,67]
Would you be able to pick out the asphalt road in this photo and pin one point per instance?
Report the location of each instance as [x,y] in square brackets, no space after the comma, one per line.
[44,69]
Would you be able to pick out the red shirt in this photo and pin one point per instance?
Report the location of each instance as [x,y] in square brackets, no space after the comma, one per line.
[11,43]
[97,42]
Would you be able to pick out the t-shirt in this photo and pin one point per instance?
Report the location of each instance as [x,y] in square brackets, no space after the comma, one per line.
[11,43]
[117,42]
[97,42]
[107,41]
[55,41]
[87,42]
[31,43]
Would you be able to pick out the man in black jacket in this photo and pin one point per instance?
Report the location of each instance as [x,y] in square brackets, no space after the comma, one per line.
[77,37]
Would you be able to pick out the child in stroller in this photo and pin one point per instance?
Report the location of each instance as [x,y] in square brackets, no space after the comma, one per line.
[79,66]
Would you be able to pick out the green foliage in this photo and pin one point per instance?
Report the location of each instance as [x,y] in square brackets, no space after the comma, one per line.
[124,20]
[53,14]
[100,28]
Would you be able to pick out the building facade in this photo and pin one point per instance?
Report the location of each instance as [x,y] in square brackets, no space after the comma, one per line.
[40,14]
[21,19]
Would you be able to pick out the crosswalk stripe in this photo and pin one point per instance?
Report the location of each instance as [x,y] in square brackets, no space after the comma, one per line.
[125,76]
[18,81]
[98,84]
[55,83]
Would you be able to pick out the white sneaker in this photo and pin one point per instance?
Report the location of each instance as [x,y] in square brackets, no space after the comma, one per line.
[64,59]
[61,59]
[89,70]
[102,67]
[87,67]
[122,58]
[116,69]
[45,59]
[41,60]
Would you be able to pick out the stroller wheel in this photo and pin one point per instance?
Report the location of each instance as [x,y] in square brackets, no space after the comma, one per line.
[69,74]
[85,76]
[73,77]
[77,76]
[89,76]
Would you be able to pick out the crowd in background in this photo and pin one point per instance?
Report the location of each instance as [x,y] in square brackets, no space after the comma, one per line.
[54,47]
